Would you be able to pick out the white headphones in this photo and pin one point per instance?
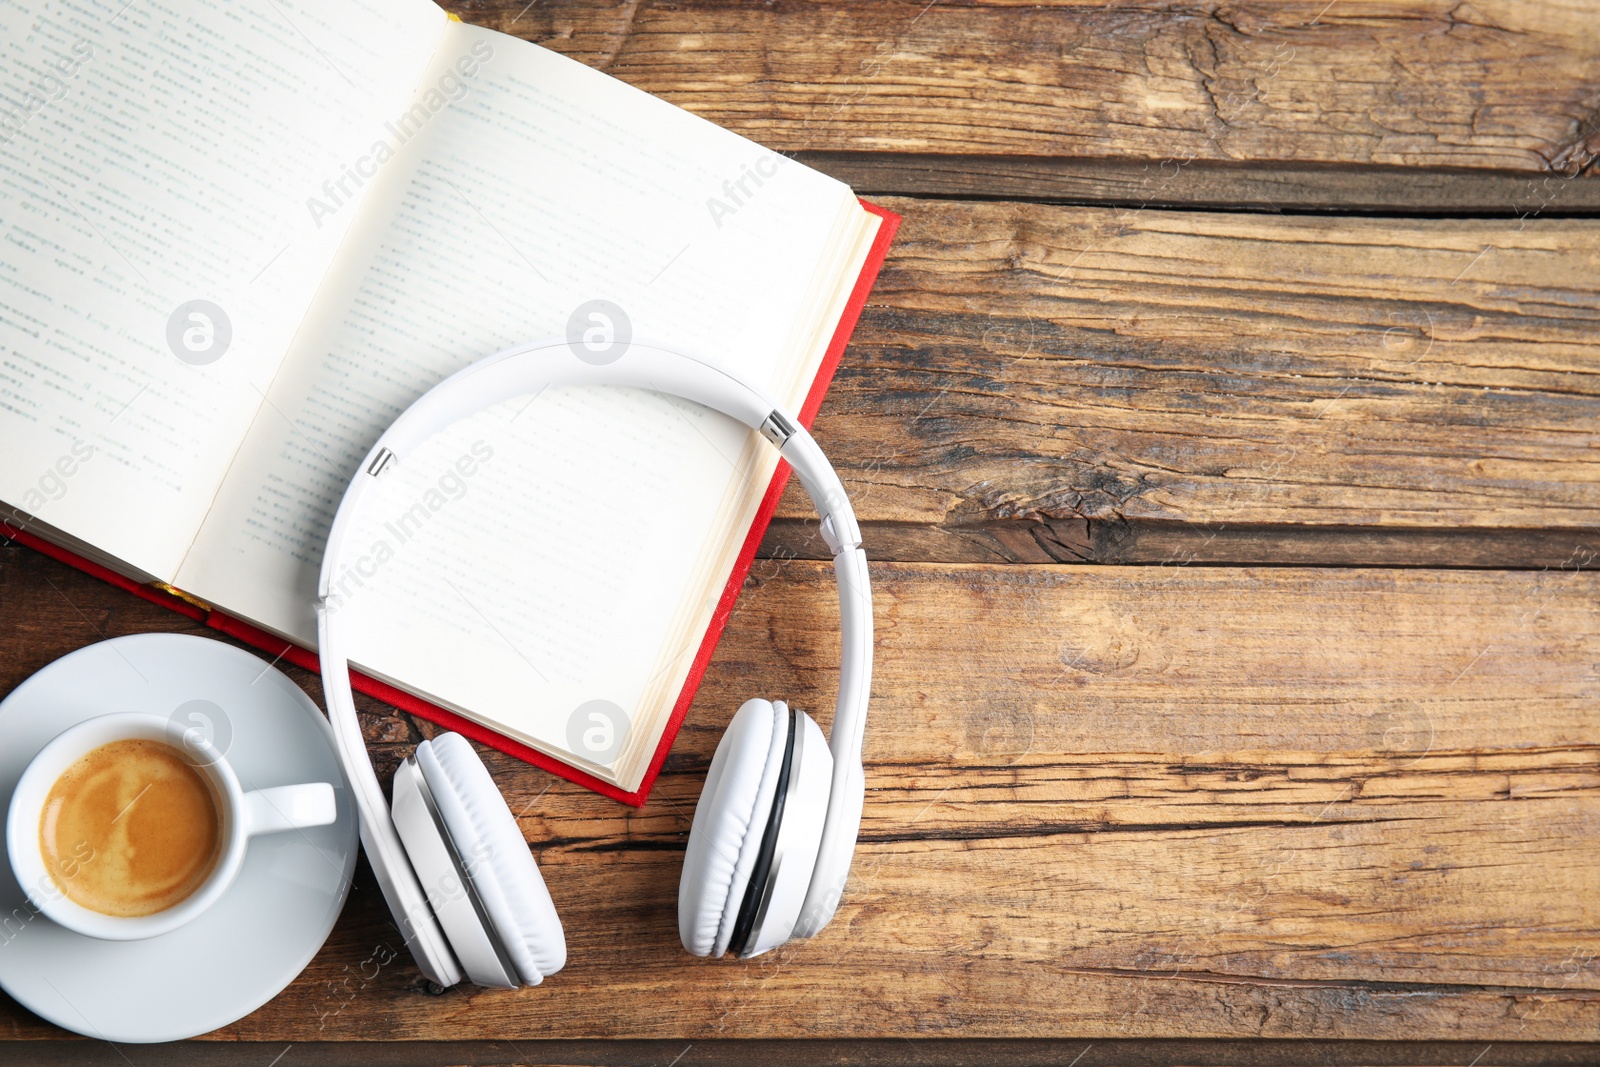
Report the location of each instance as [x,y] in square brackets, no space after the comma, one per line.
[776,824]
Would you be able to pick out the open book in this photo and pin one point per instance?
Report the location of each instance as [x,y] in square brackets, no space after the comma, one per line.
[240,240]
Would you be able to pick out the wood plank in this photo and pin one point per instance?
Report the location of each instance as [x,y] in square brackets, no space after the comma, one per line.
[1122,802]
[1029,382]
[1159,543]
[937,1052]
[1259,185]
[880,1053]
[1490,86]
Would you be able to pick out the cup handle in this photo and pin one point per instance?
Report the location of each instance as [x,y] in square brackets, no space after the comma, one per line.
[288,807]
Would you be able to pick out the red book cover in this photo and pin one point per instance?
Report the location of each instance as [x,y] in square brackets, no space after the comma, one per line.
[406,702]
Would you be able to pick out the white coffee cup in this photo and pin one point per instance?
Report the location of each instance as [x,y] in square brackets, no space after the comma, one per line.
[241,816]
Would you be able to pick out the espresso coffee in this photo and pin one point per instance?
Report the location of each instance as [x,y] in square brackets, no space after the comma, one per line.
[131,828]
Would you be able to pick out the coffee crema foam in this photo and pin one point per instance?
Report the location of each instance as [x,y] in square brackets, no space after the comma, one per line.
[130,829]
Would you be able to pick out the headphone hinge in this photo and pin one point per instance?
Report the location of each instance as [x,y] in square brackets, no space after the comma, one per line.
[380,462]
[777,428]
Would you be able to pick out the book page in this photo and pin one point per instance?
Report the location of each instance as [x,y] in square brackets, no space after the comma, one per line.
[506,573]
[158,254]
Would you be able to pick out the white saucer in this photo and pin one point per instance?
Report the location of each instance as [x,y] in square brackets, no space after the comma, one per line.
[262,933]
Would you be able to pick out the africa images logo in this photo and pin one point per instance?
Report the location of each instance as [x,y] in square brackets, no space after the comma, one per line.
[451,88]
[736,192]
[49,86]
[451,485]
[199,332]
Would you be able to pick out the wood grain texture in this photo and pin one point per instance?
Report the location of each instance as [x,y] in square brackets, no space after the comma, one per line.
[1120,541]
[1265,185]
[1487,85]
[880,1052]
[1119,803]
[1023,370]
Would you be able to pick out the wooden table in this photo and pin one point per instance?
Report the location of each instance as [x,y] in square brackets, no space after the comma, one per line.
[1226,432]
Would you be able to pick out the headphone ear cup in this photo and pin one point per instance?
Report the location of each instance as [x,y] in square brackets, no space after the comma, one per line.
[783,877]
[729,821]
[495,856]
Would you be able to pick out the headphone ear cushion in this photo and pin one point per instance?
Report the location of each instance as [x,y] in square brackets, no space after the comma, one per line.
[729,822]
[498,860]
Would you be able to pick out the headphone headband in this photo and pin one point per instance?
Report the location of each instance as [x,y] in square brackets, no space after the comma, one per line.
[531,368]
